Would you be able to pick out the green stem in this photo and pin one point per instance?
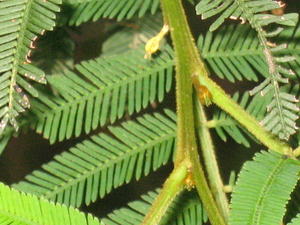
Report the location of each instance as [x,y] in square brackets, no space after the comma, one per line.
[173,185]
[220,98]
[211,165]
[187,61]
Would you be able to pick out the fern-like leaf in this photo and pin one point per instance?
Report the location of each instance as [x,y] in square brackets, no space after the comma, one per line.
[263,189]
[89,10]
[21,23]
[92,168]
[236,57]
[25,209]
[107,89]
[185,210]
[240,54]
[283,110]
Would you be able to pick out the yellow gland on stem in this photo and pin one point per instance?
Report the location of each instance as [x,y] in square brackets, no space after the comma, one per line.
[152,44]
[203,93]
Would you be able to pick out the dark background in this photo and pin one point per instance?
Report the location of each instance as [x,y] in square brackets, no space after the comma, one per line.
[29,151]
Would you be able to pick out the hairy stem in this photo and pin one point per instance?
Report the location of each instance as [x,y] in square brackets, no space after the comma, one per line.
[173,185]
[187,61]
[211,165]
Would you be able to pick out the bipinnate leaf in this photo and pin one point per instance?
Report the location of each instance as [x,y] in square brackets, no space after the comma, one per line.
[94,167]
[21,22]
[263,189]
[25,209]
[101,91]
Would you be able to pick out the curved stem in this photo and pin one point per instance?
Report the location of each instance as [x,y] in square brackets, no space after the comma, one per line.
[172,187]
[211,165]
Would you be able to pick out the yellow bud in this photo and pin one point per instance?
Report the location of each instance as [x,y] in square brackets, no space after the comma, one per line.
[227,188]
[152,45]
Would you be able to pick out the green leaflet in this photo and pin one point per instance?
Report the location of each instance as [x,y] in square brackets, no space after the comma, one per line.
[102,91]
[233,52]
[263,189]
[292,36]
[253,11]
[295,221]
[92,10]
[185,210]
[25,209]
[293,206]
[87,10]
[94,167]
[21,23]
[4,140]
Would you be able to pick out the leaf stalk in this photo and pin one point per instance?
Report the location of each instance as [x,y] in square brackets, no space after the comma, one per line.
[172,187]
[210,160]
